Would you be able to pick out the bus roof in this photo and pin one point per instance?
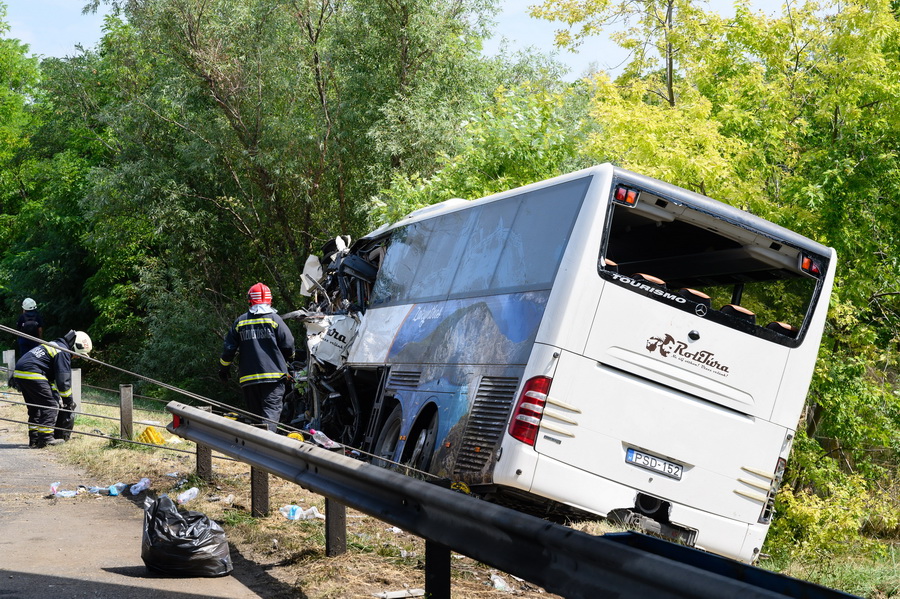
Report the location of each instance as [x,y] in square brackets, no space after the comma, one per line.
[679,195]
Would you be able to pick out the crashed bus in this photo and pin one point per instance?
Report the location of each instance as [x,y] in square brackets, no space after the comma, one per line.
[600,343]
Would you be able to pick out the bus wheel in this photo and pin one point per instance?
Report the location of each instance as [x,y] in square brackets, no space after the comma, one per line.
[423,447]
[388,438]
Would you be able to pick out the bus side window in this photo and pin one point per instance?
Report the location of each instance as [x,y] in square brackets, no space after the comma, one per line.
[695,296]
[783,328]
[645,278]
[738,312]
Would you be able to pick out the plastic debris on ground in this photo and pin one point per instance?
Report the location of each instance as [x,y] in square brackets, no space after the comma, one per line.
[499,583]
[400,594]
[322,440]
[394,530]
[141,485]
[296,512]
[117,488]
[188,495]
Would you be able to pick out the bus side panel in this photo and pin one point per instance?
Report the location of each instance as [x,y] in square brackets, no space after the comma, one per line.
[465,356]
[376,333]
[498,329]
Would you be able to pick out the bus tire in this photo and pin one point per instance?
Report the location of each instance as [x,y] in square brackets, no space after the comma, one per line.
[388,437]
[422,448]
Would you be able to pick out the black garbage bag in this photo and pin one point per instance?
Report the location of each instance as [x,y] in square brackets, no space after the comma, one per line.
[182,543]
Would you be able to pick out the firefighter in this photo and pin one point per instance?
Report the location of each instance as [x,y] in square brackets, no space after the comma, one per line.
[31,323]
[266,346]
[44,376]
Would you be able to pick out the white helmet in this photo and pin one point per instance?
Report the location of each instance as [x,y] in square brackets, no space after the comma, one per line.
[82,344]
[29,304]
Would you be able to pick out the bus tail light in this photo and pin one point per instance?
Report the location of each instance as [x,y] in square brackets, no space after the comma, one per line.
[526,418]
[626,196]
[810,266]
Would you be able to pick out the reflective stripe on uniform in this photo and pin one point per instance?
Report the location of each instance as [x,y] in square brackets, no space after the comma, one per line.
[224,363]
[274,376]
[37,428]
[34,376]
[250,321]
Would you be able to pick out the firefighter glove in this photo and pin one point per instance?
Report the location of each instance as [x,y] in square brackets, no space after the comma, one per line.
[224,372]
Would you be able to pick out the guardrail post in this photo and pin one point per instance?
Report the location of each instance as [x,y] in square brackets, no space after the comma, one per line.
[259,492]
[204,456]
[126,411]
[335,527]
[76,391]
[9,358]
[437,570]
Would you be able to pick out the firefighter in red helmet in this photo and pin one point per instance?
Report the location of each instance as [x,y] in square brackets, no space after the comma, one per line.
[266,346]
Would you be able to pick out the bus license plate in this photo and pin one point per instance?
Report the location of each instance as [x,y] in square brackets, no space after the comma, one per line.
[651,462]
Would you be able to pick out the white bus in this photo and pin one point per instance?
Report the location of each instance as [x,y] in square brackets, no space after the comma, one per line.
[598,343]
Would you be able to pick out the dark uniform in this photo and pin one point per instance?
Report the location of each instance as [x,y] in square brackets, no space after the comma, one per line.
[32,323]
[266,345]
[44,376]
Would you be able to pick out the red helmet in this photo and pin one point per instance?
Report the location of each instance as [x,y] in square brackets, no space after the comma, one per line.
[259,294]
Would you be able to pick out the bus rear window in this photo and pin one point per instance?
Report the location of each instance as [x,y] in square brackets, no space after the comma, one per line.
[720,270]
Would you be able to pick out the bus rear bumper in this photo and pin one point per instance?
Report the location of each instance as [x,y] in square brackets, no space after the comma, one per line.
[590,493]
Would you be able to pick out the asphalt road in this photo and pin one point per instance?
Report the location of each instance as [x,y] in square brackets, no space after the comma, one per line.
[88,546]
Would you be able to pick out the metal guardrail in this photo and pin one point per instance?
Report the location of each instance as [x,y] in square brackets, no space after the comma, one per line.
[559,559]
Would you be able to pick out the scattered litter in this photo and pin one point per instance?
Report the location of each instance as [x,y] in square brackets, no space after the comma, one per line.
[297,436]
[400,594]
[54,487]
[95,490]
[172,474]
[141,485]
[227,500]
[65,494]
[499,583]
[394,530]
[174,440]
[188,495]
[295,512]
[322,439]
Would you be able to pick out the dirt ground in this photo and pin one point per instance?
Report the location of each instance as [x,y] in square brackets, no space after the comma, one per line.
[90,546]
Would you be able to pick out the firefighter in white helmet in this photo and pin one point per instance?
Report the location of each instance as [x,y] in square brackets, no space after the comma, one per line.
[44,376]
